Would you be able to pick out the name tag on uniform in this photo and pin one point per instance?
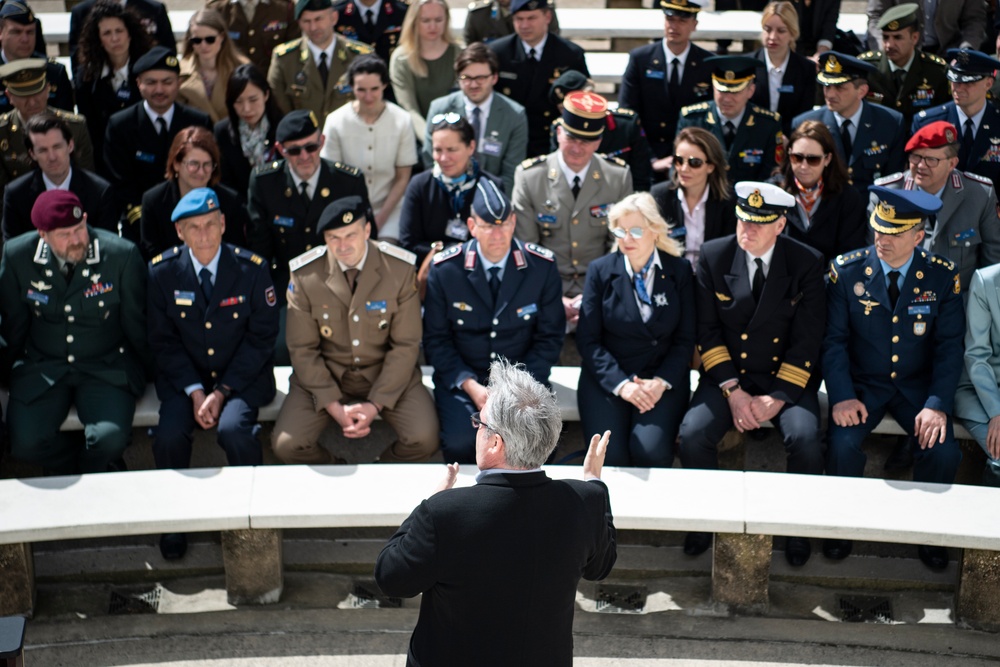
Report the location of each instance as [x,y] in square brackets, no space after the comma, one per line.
[283,221]
[38,297]
[143,156]
[508,75]
[375,305]
[124,94]
[526,311]
[967,234]
[235,34]
[787,88]
[183,298]
[492,147]
[655,74]
[752,155]
[546,218]
[918,310]
[457,229]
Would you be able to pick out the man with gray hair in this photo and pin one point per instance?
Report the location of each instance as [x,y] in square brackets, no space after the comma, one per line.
[498,563]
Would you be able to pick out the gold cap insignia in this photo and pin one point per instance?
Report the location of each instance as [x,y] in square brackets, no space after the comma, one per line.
[833,65]
[892,25]
[730,75]
[949,136]
[755,199]
[171,61]
[348,218]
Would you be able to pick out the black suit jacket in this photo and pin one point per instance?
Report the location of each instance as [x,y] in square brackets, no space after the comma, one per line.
[528,83]
[798,88]
[720,215]
[157,233]
[94,192]
[839,224]
[97,101]
[645,90]
[152,15]
[546,534]
[817,21]
[236,168]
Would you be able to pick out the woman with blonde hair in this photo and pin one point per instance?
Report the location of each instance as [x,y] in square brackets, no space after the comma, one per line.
[636,336]
[208,60]
[788,85]
[422,68]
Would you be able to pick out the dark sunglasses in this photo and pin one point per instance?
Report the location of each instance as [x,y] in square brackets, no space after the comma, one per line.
[811,160]
[693,162]
[208,40]
[295,151]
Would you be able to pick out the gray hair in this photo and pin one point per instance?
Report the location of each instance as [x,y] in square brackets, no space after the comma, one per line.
[523,412]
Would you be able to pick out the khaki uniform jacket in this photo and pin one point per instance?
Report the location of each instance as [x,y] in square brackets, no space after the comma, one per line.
[14,158]
[296,82]
[273,24]
[375,331]
[192,92]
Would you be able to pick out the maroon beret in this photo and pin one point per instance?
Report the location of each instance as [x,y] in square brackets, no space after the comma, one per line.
[933,135]
[55,209]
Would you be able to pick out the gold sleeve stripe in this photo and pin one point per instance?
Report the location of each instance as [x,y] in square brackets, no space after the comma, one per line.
[715,356]
[793,374]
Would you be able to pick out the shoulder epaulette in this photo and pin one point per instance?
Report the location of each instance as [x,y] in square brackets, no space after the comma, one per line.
[268,168]
[691,108]
[5,118]
[480,4]
[293,45]
[870,55]
[166,254]
[614,159]
[538,250]
[358,47]
[933,58]
[397,252]
[68,115]
[875,97]
[347,169]
[891,178]
[248,256]
[532,161]
[766,112]
[298,262]
[977,177]
[448,253]
[622,111]
[938,260]
[850,257]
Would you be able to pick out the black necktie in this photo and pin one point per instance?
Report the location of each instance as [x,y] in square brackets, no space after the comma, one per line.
[495,282]
[758,280]
[206,283]
[675,76]
[968,138]
[845,138]
[324,69]
[161,125]
[899,75]
[352,278]
[893,288]
[532,55]
[477,124]
[729,133]
[370,20]
[576,187]
[304,191]
[67,271]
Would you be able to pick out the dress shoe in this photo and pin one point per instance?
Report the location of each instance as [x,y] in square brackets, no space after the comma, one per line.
[837,549]
[797,551]
[173,545]
[901,457]
[935,558]
[697,543]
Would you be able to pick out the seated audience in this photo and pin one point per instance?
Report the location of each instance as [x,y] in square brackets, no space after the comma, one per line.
[488,20]
[207,62]
[377,136]
[377,23]
[788,87]
[18,35]
[152,15]
[257,27]
[636,336]
[192,164]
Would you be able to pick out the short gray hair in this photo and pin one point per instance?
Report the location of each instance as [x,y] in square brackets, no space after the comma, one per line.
[523,412]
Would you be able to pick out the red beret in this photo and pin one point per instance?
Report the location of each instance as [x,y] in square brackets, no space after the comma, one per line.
[933,135]
[55,209]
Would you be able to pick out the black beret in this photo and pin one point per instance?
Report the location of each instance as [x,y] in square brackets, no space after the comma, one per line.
[311,6]
[297,124]
[158,57]
[342,212]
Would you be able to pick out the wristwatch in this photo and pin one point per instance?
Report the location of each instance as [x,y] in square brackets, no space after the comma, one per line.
[224,390]
[729,391]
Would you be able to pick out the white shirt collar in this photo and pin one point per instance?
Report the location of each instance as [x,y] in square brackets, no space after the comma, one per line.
[484,107]
[360,265]
[168,116]
[213,266]
[735,121]
[766,258]
[778,68]
[313,180]
[374,9]
[49,185]
[906,68]
[976,119]
[569,173]
[855,119]
[537,47]
[315,51]
[698,206]
[487,264]
[670,55]
[656,263]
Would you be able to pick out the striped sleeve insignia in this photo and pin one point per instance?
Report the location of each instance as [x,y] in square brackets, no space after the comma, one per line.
[717,355]
[794,375]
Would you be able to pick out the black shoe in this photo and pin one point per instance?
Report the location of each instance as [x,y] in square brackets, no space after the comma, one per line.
[173,545]
[837,549]
[901,457]
[697,543]
[935,558]
[797,551]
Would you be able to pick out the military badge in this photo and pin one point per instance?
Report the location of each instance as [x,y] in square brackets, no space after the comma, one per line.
[859,289]
[269,296]
[919,328]
[660,299]
[326,331]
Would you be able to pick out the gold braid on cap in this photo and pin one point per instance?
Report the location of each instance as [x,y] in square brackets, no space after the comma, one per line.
[887,213]
[746,216]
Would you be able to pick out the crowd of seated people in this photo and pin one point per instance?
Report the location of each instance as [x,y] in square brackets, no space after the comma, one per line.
[350,207]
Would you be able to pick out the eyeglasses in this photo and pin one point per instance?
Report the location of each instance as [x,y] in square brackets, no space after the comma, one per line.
[811,160]
[195,41]
[465,78]
[477,422]
[634,232]
[693,162]
[451,118]
[931,162]
[195,166]
[295,151]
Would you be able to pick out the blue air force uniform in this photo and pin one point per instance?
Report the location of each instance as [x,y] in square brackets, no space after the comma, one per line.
[224,341]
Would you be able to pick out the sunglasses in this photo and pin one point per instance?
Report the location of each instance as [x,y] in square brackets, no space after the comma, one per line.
[295,151]
[634,232]
[451,118]
[195,41]
[693,162]
[811,160]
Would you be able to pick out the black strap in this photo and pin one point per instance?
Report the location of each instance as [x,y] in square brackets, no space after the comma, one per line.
[893,288]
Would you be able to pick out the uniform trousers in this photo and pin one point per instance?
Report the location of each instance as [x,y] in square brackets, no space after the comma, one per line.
[301,421]
[637,439]
[458,438]
[709,418]
[105,410]
[846,458]
[237,433]
[979,431]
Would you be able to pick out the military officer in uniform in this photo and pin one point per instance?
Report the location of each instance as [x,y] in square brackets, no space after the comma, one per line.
[354,337]
[908,79]
[213,318]
[17,33]
[493,296]
[311,72]
[73,306]
[869,137]
[623,136]
[965,230]
[665,76]
[376,23]
[751,135]
[893,344]
[761,313]
[562,200]
[971,74]
[258,26]
[488,20]
[27,82]
[530,60]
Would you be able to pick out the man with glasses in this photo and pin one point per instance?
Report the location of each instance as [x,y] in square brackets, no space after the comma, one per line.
[213,319]
[666,76]
[761,314]
[499,562]
[491,297]
[498,121]
[893,345]
[354,337]
[562,199]
[868,137]
[966,229]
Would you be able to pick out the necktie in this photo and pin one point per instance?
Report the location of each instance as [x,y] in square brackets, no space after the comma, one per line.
[893,288]
[161,125]
[675,76]
[639,281]
[729,133]
[477,124]
[67,271]
[304,190]
[845,138]
[324,69]
[968,138]
[758,280]
[576,187]
[370,20]
[249,8]
[206,283]
[495,282]
[899,75]
[352,277]
[532,55]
